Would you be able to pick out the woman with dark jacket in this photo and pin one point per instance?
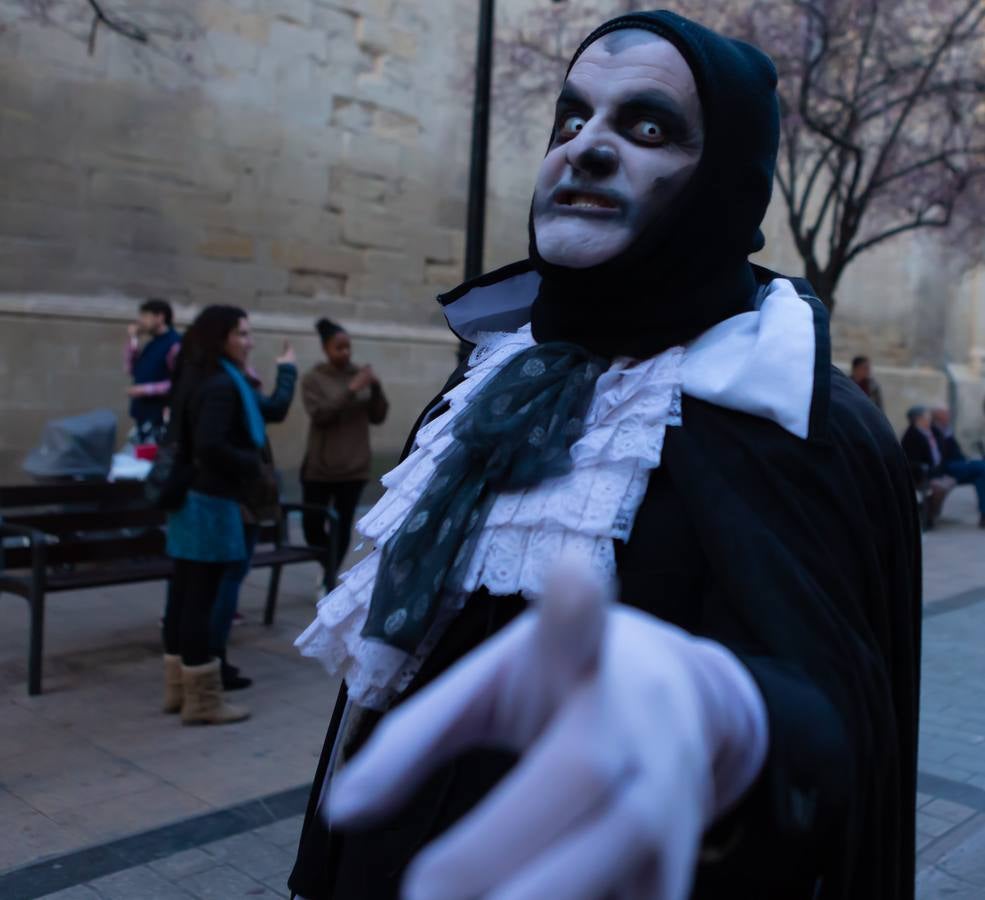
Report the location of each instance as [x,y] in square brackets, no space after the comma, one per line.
[343,400]
[274,408]
[217,424]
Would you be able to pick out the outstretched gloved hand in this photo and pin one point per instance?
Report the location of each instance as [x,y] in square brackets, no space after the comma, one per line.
[634,736]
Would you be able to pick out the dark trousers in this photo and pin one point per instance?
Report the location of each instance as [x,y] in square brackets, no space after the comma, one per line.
[227,598]
[188,612]
[969,471]
[344,497]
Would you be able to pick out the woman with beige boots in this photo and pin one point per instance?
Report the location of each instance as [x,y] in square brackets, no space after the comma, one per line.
[217,432]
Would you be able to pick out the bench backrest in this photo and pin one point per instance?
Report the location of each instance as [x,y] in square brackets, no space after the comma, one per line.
[90,522]
[71,493]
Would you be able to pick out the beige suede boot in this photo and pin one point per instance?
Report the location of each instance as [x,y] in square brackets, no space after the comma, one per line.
[204,703]
[173,691]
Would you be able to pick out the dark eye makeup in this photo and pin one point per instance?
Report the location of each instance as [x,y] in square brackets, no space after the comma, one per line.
[649,117]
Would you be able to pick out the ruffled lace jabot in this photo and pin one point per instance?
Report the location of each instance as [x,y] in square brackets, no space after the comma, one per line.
[581,512]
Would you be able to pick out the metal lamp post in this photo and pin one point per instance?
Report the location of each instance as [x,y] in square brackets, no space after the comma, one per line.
[475,228]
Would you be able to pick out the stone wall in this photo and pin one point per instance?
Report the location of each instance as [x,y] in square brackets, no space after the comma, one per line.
[296,157]
[304,158]
[281,154]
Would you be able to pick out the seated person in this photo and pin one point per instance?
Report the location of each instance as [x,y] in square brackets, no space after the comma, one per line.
[953,460]
[922,447]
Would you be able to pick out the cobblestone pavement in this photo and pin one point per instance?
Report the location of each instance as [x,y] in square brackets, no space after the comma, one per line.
[208,856]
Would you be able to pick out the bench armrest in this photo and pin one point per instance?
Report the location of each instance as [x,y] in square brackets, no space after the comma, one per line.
[36,540]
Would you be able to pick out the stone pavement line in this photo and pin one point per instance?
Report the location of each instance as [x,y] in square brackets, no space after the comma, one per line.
[160,845]
[954,603]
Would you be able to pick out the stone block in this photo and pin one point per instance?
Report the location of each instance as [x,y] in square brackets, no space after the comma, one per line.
[373,228]
[31,221]
[27,260]
[352,114]
[315,284]
[234,53]
[292,12]
[338,25]
[317,257]
[333,306]
[289,40]
[246,280]
[379,9]
[358,185]
[41,181]
[443,276]
[145,191]
[403,43]
[228,245]
[437,245]
[405,266]
[214,15]
[297,180]
[373,33]
[395,126]
[375,156]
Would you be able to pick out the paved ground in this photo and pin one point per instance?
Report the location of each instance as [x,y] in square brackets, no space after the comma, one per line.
[103,797]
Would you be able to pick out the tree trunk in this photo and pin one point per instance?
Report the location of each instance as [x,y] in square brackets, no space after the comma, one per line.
[823,282]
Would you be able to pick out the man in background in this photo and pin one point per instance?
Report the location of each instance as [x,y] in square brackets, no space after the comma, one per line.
[923,448]
[953,460]
[862,376]
[150,365]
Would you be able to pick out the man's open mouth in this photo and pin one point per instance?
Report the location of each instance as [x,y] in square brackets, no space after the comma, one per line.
[585,200]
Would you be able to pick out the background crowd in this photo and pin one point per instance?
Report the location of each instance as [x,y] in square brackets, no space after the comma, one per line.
[199,397]
[198,400]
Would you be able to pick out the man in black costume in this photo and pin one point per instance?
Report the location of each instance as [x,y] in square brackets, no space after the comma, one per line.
[649,406]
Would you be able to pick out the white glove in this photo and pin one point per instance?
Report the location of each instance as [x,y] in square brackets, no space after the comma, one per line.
[634,734]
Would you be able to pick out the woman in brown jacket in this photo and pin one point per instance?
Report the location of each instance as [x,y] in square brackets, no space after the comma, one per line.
[343,400]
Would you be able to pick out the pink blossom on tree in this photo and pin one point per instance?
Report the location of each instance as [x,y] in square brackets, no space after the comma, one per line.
[882,103]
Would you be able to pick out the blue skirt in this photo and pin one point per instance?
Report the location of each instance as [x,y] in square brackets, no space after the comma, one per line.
[206,529]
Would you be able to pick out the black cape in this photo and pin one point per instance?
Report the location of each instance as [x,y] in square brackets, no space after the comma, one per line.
[803,557]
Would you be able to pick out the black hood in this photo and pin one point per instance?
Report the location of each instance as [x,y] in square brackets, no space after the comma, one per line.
[684,273]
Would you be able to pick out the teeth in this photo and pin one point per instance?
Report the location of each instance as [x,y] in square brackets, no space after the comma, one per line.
[589,202]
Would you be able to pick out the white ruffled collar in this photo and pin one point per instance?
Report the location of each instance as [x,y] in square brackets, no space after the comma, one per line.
[761,362]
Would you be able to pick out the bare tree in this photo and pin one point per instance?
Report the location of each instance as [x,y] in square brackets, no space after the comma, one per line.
[883,114]
[158,31]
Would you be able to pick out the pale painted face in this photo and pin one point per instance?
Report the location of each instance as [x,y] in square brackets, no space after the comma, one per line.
[628,137]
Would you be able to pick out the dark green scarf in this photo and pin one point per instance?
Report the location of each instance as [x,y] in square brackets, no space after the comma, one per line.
[517,431]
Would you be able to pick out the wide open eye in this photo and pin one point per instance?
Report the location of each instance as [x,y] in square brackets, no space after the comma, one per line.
[570,127]
[648,131]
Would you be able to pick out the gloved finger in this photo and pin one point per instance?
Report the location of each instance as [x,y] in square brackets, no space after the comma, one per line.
[596,860]
[624,851]
[450,714]
[565,647]
[674,873]
[567,775]
[572,614]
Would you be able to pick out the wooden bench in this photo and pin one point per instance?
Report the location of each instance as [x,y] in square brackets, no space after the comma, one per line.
[74,536]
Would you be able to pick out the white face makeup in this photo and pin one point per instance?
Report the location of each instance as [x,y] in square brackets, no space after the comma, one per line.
[628,136]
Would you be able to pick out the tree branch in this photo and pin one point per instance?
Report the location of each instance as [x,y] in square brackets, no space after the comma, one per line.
[127,29]
[918,222]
